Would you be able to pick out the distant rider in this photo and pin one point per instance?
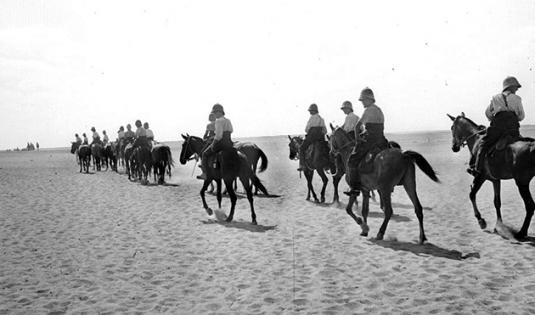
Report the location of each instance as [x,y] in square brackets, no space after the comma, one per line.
[315,131]
[351,119]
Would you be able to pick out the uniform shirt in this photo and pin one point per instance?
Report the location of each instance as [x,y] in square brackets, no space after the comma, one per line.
[497,104]
[129,134]
[350,122]
[120,134]
[95,135]
[85,139]
[78,139]
[141,132]
[372,114]
[211,126]
[222,124]
[150,134]
[105,139]
[315,121]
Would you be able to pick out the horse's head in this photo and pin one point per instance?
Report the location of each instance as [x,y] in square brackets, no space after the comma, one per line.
[462,130]
[339,140]
[190,146]
[294,145]
[74,147]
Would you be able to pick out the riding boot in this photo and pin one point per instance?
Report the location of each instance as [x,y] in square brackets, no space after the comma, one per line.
[301,162]
[477,167]
[203,175]
[354,181]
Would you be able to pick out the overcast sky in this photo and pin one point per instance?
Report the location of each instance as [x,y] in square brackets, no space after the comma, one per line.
[68,65]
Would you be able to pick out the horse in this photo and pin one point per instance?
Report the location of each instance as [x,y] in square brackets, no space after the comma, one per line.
[319,162]
[250,150]
[84,156]
[119,151]
[392,167]
[519,164]
[143,162]
[130,161]
[233,164]
[161,159]
[74,150]
[97,151]
[109,157]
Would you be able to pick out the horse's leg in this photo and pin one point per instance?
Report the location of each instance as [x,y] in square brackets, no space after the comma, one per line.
[309,175]
[349,209]
[204,204]
[386,196]
[409,183]
[325,181]
[230,190]
[219,196]
[476,185]
[365,211]
[81,165]
[248,189]
[497,202]
[523,188]
[336,181]
[254,173]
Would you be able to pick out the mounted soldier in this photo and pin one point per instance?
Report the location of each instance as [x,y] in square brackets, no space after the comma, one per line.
[96,136]
[372,139]
[222,138]
[315,131]
[141,136]
[105,138]
[150,134]
[129,135]
[351,119]
[86,142]
[504,113]
[210,128]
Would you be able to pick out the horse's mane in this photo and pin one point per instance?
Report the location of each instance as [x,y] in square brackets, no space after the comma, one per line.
[470,121]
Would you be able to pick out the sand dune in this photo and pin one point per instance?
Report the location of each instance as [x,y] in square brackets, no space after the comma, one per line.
[97,243]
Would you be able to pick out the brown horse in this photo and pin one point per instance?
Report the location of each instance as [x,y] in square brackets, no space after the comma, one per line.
[518,164]
[251,151]
[392,167]
[97,151]
[233,164]
[162,160]
[84,156]
[319,161]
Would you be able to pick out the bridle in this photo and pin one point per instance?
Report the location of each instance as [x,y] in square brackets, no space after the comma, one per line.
[348,143]
[464,141]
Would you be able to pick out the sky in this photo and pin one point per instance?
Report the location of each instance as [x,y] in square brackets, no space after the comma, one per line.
[66,66]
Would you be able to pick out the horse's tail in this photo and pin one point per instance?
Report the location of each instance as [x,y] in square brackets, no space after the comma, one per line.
[263,157]
[170,161]
[422,164]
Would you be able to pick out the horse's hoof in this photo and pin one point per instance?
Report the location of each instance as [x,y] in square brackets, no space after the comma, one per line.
[482,223]
[322,200]
[228,220]
[209,211]
[380,236]
[363,233]
[254,223]
[520,236]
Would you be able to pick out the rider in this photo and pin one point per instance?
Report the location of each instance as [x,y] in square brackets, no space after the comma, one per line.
[150,134]
[373,137]
[210,128]
[86,142]
[315,131]
[129,135]
[222,139]
[96,136]
[78,139]
[351,119]
[105,138]
[504,113]
[141,136]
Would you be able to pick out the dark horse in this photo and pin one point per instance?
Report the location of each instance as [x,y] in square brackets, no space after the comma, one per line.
[518,164]
[233,164]
[392,167]
[162,160]
[319,161]
[109,157]
[143,161]
[98,153]
[130,160]
[84,156]
[251,151]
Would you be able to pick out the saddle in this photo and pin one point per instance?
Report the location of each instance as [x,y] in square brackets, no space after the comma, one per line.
[317,152]
[366,164]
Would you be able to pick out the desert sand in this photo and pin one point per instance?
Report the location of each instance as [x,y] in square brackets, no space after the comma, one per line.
[97,243]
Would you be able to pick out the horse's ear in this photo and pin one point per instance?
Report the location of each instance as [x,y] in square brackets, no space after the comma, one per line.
[451,117]
[332,127]
[462,114]
[185,138]
[289,137]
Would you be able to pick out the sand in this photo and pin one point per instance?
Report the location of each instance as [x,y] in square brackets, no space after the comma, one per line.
[97,243]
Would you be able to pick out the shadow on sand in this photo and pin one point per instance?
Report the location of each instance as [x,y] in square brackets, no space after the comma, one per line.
[241,225]
[427,249]
[508,233]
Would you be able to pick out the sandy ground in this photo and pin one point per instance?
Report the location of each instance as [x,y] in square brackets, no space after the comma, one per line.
[97,243]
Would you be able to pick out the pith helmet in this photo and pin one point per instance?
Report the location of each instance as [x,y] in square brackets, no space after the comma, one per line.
[313,108]
[93,129]
[510,82]
[366,93]
[138,123]
[218,108]
[347,104]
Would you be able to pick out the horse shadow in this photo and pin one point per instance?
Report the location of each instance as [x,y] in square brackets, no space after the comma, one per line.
[507,232]
[427,249]
[407,206]
[394,217]
[241,225]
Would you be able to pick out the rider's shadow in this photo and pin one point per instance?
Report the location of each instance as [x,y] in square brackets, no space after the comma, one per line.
[427,249]
[242,225]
